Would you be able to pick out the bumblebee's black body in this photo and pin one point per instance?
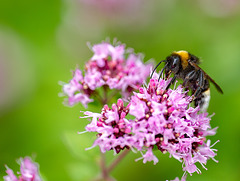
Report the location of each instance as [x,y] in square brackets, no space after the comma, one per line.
[185,66]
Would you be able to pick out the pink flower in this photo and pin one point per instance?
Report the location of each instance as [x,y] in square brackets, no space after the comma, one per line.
[28,171]
[101,51]
[110,67]
[177,128]
[11,176]
[137,107]
[76,90]
[162,119]
[149,156]
[112,127]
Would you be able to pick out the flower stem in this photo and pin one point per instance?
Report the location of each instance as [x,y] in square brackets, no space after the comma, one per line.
[97,95]
[105,173]
[117,160]
[114,93]
[105,97]
[105,170]
[103,166]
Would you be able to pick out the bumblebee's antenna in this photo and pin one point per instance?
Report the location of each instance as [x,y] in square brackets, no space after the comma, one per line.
[162,71]
[157,67]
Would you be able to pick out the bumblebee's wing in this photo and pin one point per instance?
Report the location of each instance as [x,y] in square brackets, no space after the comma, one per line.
[207,76]
[215,84]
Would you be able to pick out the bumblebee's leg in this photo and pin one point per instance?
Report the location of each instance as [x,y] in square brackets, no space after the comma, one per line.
[162,71]
[189,76]
[200,84]
[201,79]
[156,67]
[202,95]
[196,93]
[171,82]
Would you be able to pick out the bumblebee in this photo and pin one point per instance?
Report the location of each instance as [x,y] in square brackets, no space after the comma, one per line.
[185,66]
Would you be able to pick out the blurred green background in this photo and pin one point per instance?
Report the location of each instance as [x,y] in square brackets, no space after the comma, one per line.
[41,41]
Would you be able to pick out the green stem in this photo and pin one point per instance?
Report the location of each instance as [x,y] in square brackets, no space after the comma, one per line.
[117,160]
[105,171]
[103,166]
[105,97]
[114,93]
[98,96]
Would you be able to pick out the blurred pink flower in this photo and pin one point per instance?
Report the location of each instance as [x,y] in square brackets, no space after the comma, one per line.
[112,6]
[88,20]
[220,8]
[11,176]
[28,171]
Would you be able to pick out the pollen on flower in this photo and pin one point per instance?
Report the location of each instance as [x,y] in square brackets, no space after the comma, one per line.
[163,120]
[110,66]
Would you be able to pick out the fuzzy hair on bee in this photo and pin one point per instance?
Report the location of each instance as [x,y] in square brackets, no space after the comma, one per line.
[185,66]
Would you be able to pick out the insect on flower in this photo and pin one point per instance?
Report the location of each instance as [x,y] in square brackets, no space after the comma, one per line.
[155,119]
[185,66]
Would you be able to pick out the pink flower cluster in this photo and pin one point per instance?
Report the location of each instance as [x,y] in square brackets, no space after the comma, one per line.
[112,127]
[28,172]
[163,120]
[110,66]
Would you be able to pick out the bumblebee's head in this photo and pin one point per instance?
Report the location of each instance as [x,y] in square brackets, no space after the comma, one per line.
[173,64]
